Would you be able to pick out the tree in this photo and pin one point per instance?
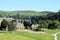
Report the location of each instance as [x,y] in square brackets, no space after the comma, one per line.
[4,24]
[27,24]
[58,15]
[11,26]
[38,28]
[51,16]
[52,25]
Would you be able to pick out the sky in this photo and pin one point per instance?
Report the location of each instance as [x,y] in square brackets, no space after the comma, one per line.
[33,5]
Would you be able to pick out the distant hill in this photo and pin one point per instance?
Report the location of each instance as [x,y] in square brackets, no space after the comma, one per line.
[47,12]
[23,13]
[30,13]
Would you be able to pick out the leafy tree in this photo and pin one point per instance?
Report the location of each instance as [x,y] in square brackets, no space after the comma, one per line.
[11,26]
[27,24]
[43,24]
[51,16]
[38,29]
[4,24]
[52,25]
[58,15]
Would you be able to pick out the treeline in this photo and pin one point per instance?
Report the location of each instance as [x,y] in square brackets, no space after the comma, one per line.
[50,21]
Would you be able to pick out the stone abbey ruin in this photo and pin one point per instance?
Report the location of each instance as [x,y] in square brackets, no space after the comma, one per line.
[18,22]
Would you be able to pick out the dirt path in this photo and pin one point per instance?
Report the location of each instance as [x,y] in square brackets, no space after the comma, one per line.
[29,31]
[55,35]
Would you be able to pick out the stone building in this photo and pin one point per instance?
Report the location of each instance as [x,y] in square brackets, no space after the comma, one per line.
[18,22]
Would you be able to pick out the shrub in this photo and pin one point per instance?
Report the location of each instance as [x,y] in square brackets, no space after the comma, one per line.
[36,27]
[27,24]
[4,24]
[52,25]
[11,26]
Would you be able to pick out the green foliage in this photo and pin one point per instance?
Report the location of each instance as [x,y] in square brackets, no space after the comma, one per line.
[34,22]
[4,24]
[43,18]
[43,24]
[21,13]
[58,24]
[52,25]
[27,24]
[11,26]
[38,28]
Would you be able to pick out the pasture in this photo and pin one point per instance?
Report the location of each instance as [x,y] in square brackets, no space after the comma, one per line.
[58,36]
[24,36]
[19,35]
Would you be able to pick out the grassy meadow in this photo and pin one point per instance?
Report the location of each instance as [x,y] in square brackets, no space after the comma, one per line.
[28,36]
[58,36]
[24,36]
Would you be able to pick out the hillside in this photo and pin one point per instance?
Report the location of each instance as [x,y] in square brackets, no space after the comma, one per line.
[22,13]
[30,13]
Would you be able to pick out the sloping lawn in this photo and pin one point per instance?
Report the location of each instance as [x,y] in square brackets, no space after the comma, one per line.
[24,36]
[51,31]
[58,36]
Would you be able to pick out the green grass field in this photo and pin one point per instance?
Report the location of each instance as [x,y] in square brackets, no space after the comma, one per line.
[24,36]
[29,36]
[52,31]
[58,36]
